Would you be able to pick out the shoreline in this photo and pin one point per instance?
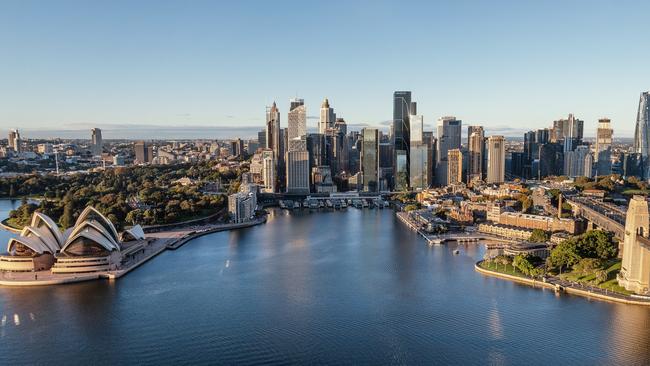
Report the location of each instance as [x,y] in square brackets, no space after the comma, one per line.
[569,290]
[161,242]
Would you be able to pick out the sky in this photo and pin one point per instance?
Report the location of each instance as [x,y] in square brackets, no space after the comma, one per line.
[207,69]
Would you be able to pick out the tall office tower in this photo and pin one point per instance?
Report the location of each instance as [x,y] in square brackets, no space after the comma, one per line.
[273,137]
[261,139]
[570,127]
[542,136]
[297,125]
[297,157]
[297,162]
[317,149]
[419,165]
[603,152]
[551,161]
[401,138]
[454,173]
[529,152]
[327,117]
[642,134]
[96,139]
[448,131]
[370,159]
[143,152]
[475,146]
[268,171]
[635,267]
[517,164]
[632,165]
[429,141]
[496,161]
[578,163]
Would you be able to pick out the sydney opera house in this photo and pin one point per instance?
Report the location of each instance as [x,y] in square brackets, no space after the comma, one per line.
[91,245]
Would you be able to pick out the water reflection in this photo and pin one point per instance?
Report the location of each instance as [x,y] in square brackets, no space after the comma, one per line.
[349,286]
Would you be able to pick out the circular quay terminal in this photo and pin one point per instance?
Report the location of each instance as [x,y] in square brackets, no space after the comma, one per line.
[325,183]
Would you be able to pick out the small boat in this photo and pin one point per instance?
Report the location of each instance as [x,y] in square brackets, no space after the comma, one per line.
[456,252]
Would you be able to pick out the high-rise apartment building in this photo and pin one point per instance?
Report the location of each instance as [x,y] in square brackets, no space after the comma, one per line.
[496,161]
[143,152]
[370,159]
[96,142]
[475,147]
[449,135]
[14,136]
[14,140]
[603,151]
[401,138]
[268,171]
[642,134]
[454,165]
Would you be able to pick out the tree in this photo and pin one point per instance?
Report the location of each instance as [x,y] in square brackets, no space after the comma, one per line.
[523,264]
[587,265]
[564,255]
[67,219]
[601,276]
[12,191]
[538,236]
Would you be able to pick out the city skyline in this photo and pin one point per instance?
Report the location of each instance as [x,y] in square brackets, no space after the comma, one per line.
[153,77]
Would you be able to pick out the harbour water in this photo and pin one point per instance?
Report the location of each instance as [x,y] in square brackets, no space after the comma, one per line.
[353,287]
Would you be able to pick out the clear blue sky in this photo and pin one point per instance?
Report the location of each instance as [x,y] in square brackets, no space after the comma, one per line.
[503,64]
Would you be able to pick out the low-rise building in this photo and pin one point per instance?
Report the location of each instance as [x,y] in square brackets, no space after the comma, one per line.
[506,231]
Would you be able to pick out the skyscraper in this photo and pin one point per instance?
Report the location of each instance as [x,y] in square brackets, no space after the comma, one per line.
[454,166]
[96,140]
[261,139]
[297,157]
[370,159]
[11,140]
[578,162]
[401,138]
[14,140]
[603,152]
[297,162]
[642,133]
[273,130]
[496,161]
[327,117]
[143,152]
[449,133]
[475,146]
[297,125]
[419,153]
[268,171]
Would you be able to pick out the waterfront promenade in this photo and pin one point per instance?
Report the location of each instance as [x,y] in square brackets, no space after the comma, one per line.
[438,239]
[156,243]
[556,284]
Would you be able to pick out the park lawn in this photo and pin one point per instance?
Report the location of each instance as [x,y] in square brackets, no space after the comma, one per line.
[509,269]
[611,284]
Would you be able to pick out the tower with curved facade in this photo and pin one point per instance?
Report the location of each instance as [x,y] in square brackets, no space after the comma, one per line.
[642,133]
